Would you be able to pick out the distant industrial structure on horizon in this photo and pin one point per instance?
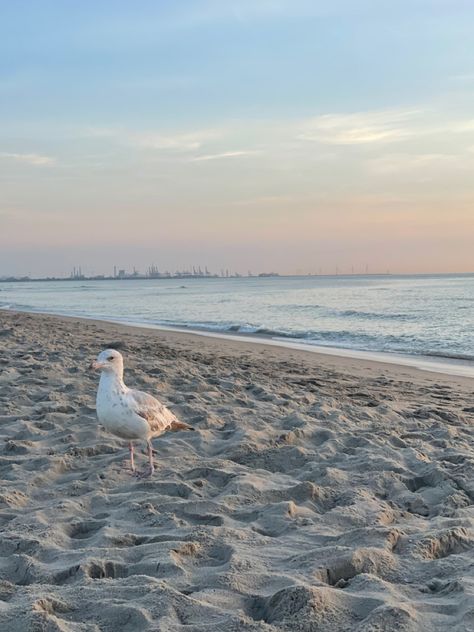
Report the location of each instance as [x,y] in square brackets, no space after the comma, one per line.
[153,272]
[190,272]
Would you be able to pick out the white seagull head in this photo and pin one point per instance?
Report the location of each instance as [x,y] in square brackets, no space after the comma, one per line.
[110,361]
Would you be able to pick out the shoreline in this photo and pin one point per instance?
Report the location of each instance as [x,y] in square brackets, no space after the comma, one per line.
[433,365]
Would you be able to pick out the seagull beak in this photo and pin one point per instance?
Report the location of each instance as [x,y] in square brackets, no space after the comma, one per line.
[95,366]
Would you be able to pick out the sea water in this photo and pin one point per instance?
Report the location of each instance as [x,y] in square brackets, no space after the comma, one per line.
[413,315]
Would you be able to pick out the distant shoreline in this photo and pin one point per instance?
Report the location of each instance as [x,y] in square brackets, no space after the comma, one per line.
[455,367]
[262,275]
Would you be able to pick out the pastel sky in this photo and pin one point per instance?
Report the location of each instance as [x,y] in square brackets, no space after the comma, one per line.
[252,134]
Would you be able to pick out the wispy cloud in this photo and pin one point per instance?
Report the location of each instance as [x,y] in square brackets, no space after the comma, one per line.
[463,78]
[285,199]
[195,15]
[285,142]
[36,160]
[179,141]
[466,125]
[226,154]
[428,163]
[360,127]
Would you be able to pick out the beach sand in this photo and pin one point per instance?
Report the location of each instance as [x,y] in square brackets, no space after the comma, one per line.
[317,493]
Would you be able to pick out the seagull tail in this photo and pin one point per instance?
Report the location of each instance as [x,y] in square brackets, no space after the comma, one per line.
[179,425]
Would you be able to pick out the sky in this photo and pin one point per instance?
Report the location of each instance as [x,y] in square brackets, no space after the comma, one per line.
[266,135]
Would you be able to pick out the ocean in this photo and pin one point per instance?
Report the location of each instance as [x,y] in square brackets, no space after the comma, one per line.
[430,316]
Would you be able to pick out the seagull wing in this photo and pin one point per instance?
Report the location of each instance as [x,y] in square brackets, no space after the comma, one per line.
[154,412]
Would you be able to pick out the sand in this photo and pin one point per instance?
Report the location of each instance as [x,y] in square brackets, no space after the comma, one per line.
[316,494]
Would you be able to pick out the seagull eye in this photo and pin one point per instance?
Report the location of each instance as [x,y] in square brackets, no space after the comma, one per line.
[110,358]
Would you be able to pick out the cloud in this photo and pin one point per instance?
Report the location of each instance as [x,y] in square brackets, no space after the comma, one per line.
[36,160]
[398,163]
[226,154]
[285,143]
[462,126]
[463,78]
[360,127]
[179,142]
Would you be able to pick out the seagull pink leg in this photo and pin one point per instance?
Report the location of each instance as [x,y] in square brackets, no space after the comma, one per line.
[150,458]
[132,460]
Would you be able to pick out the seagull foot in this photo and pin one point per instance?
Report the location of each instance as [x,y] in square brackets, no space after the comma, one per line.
[145,474]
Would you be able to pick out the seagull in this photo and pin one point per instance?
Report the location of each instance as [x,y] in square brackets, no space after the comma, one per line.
[128,413]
